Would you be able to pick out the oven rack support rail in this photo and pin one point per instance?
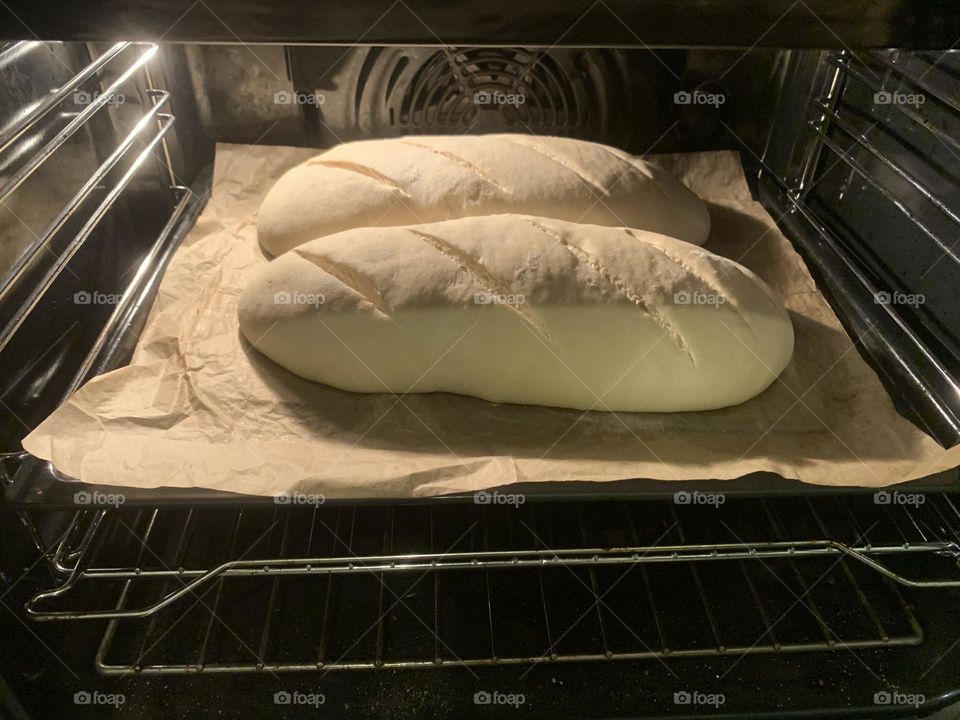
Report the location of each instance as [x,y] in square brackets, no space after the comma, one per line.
[156,147]
[915,359]
[194,580]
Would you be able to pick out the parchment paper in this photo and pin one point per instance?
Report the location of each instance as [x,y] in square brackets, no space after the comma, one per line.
[199,407]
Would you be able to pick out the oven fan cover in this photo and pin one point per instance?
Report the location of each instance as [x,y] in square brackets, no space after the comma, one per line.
[401,91]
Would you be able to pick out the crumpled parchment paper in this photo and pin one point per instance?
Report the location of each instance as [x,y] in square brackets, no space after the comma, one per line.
[198,407]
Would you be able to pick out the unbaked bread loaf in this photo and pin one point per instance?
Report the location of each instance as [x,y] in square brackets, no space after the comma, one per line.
[520,309]
[401,181]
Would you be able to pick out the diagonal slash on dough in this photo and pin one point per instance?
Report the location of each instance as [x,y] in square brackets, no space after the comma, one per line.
[361,169]
[348,276]
[645,171]
[562,163]
[707,282]
[483,278]
[462,161]
[583,256]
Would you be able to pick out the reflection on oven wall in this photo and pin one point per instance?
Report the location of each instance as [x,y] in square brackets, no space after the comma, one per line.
[27,74]
[78,129]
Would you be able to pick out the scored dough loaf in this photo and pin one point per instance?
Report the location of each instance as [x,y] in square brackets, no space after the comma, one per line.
[521,309]
[420,179]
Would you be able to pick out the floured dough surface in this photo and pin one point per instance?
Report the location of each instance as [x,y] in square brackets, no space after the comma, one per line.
[420,179]
[521,309]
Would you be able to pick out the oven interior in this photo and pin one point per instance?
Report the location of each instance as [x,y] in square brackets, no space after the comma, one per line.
[767,600]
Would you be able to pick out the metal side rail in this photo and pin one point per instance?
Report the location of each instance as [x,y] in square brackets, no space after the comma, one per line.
[74,245]
[94,181]
[193,580]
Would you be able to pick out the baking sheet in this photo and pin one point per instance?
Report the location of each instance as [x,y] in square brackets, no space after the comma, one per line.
[198,407]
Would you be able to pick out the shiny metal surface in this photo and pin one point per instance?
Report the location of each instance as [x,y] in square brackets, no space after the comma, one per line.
[30,73]
[868,191]
[88,227]
[77,200]
[88,188]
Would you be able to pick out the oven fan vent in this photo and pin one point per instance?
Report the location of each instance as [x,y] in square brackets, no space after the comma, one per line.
[483,89]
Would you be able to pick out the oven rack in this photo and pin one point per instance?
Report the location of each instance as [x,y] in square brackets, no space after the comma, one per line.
[152,119]
[324,588]
[837,107]
[129,139]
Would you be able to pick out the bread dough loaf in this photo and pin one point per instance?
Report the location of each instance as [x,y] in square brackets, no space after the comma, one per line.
[521,309]
[419,179]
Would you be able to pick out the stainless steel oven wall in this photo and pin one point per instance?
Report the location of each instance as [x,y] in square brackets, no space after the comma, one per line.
[862,167]
[92,172]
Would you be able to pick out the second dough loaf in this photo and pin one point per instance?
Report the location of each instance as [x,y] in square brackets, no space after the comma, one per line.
[520,309]
[402,181]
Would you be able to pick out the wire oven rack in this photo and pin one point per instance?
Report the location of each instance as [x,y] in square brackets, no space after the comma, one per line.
[295,588]
[81,118]
[156,117]
[867,189]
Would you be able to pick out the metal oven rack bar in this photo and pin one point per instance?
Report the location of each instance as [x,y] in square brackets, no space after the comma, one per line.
[153,117]
[58,94]
[315,566]
[916,371]
[74,125]
[142,141]
[78,199]
[48,279]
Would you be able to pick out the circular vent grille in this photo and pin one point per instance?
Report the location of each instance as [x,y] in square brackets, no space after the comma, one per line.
[517,86]
[429,90]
